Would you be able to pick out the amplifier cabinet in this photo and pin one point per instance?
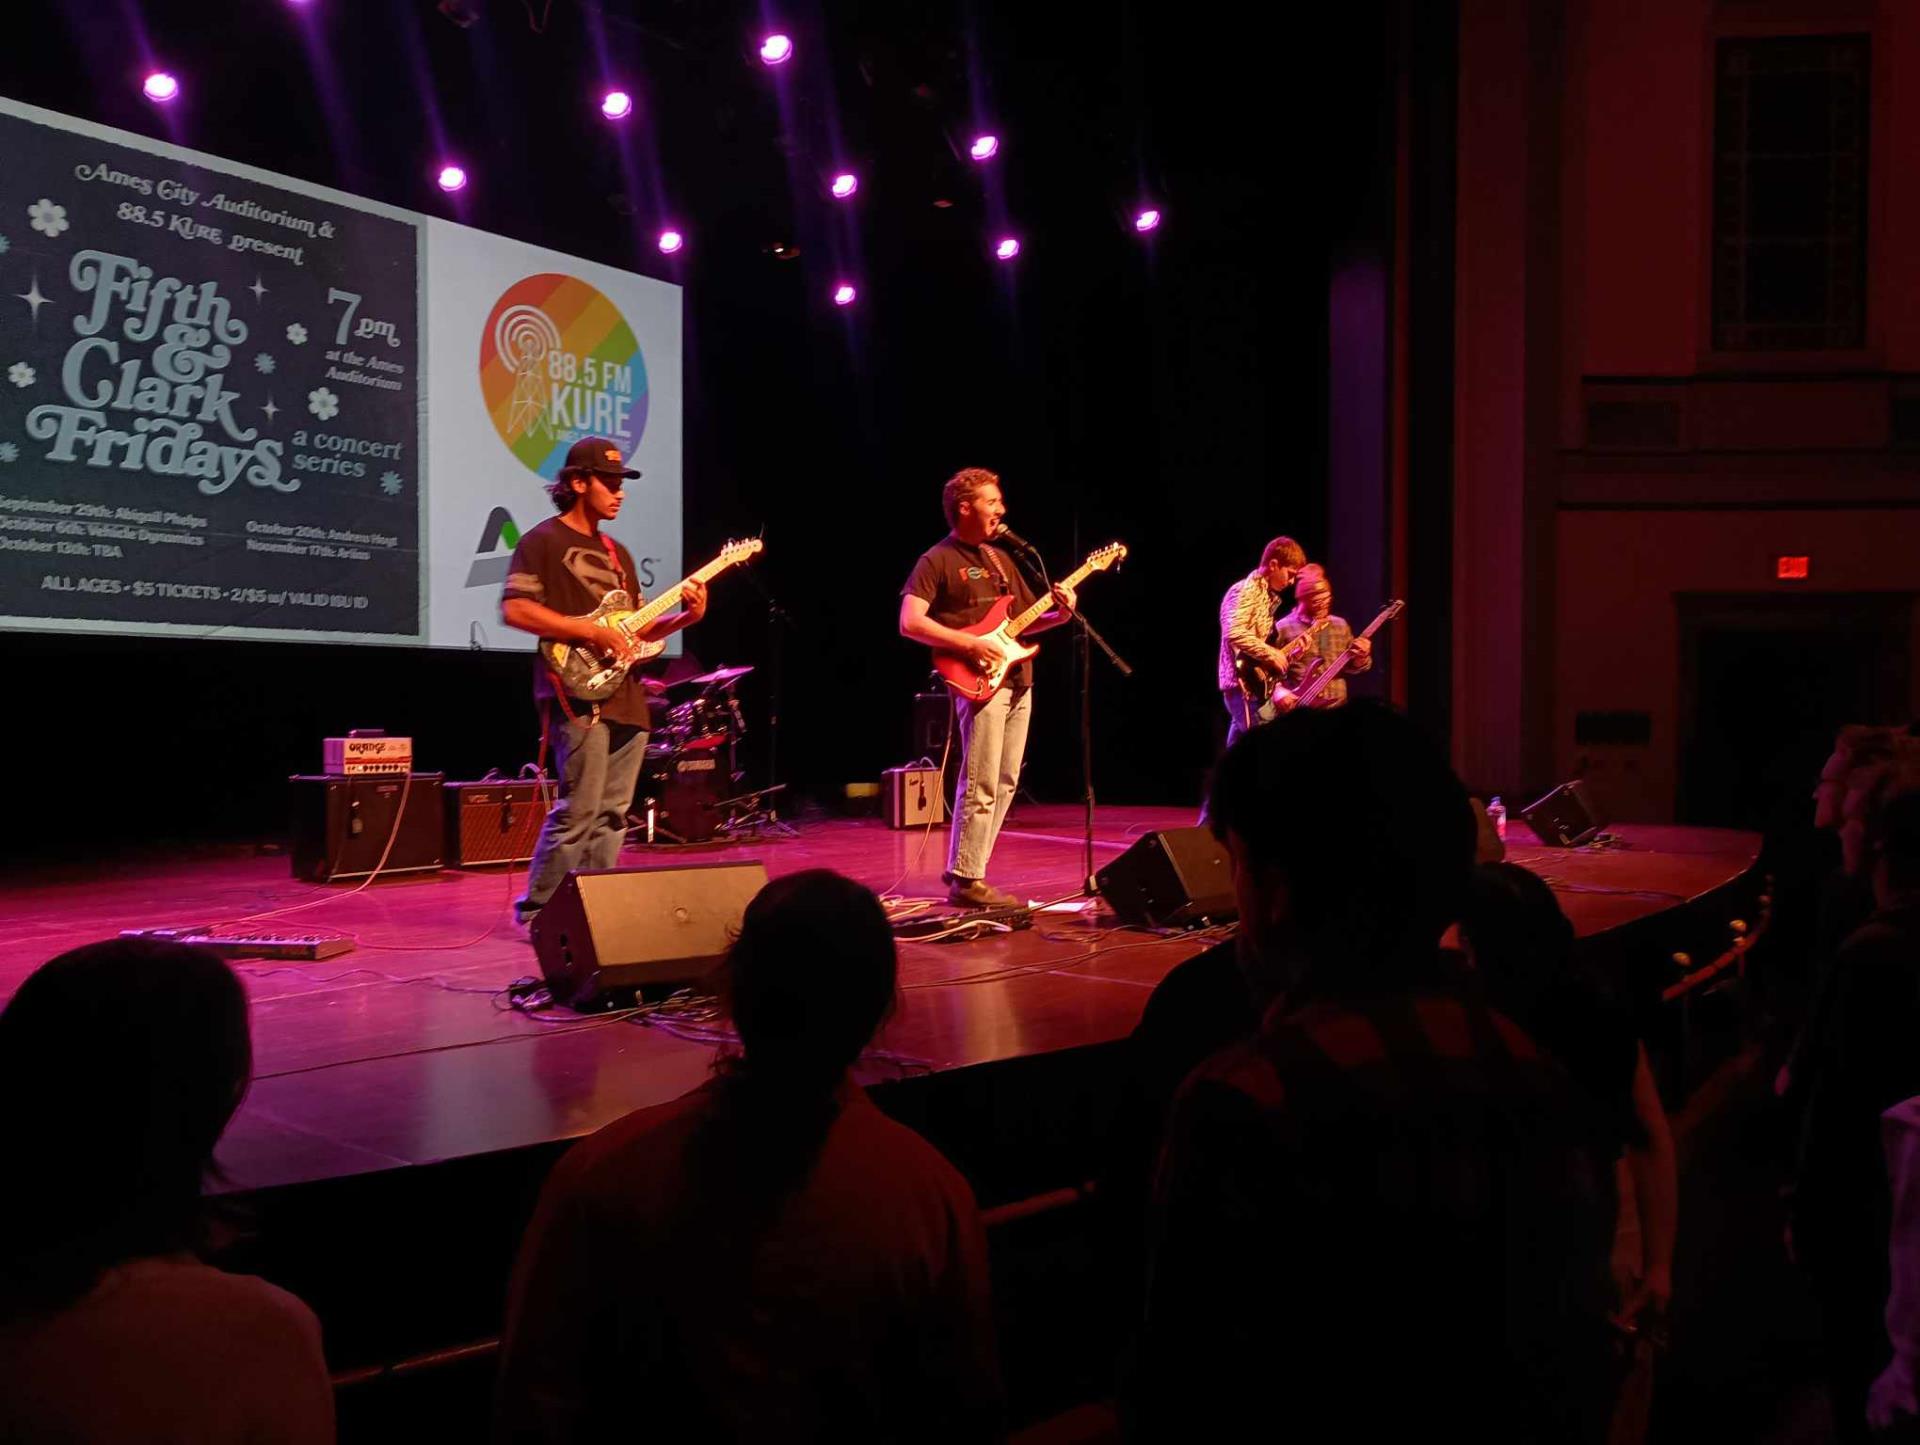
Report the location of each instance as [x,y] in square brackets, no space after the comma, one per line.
[340,826]
[492,822]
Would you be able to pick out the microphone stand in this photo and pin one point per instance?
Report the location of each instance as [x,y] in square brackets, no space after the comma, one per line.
[1087,636]
[777,618]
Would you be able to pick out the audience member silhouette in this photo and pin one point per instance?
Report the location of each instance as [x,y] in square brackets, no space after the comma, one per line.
[124,1062]
[1379,1215]
[1863,1061]
[768,1257]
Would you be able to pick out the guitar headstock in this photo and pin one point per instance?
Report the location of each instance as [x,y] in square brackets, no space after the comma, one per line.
[740,550]
[1392,610]
[1111,555]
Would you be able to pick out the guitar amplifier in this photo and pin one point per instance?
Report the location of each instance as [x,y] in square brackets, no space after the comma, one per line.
[340,826]
[377,754]
[914,797]
[492,822]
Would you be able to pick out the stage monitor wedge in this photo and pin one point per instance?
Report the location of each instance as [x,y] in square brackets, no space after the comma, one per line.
[1565,818]
[1171,878]
[606,931]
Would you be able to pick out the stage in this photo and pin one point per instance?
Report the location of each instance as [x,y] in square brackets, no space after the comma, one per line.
[405,1052]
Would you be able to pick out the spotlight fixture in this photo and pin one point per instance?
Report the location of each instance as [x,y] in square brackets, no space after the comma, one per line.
[1147,220]
[670,241]
[160,87]
[844,185]
[451,177]
[984,147]
[1008,248]
[616,105]
[776,49]
[844,293]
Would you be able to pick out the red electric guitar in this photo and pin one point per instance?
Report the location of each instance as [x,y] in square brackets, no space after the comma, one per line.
[976,681]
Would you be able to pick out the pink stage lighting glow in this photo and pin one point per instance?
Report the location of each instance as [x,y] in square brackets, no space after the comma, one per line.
[160,86]
[844,185]
[1007,249]
[776,50]
[843,294]
[617,105]
[1146,221]
[670,241]
[451,178]
[984,147]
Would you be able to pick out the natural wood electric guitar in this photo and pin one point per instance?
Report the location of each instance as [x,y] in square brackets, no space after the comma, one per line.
[594,675]
[976,681]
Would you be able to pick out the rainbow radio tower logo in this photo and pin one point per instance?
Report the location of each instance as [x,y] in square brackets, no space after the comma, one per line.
[559,362]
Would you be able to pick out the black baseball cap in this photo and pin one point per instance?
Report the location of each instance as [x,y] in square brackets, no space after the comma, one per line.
[597,454]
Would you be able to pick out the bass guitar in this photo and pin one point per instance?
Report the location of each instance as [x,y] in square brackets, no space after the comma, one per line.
[1320,680]
[592,674]
[1258,677]
[979,681]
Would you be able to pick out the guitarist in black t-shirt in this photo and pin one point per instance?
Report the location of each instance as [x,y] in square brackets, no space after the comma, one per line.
[953,585]
[559,572]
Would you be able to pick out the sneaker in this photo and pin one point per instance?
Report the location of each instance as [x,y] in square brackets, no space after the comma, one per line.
[978,893]
[524,913]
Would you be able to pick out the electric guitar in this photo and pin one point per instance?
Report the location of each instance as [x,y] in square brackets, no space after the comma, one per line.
[976,681]
[1258,677]
[588,672]
[1317,684]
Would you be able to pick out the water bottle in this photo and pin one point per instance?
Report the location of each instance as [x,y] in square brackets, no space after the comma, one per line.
[1497,815]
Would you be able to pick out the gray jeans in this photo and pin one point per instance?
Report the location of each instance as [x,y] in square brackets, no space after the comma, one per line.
[993,740]
[598,767]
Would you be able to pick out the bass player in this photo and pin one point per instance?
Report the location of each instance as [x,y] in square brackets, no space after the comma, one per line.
[954,585]
[560,570]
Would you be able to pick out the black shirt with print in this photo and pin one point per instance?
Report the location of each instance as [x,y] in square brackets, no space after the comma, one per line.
[570,571]
[959,581]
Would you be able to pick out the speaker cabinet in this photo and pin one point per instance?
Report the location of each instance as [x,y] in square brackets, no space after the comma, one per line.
[610,930]
[492,822]
[1564,818]
[1169,879]
[340,825]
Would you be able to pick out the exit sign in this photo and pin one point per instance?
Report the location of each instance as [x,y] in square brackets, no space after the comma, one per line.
[1790,569]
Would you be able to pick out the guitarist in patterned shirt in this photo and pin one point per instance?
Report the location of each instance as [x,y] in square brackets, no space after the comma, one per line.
[559,572]
[1246,627]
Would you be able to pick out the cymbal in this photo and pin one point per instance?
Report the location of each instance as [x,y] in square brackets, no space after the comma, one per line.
[721,675]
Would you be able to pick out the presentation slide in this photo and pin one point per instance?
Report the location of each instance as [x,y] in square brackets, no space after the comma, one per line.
[233,404]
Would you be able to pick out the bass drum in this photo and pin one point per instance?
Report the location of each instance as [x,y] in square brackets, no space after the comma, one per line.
[683,786]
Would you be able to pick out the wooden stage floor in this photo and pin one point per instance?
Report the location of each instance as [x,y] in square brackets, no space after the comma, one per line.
[404,1052]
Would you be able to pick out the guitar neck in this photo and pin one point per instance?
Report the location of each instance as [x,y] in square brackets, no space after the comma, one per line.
[651,612]
[1040,608]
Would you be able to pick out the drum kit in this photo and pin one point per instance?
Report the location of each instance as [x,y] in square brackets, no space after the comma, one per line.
[687,785]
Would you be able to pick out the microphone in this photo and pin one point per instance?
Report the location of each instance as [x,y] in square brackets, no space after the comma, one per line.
[1008,535]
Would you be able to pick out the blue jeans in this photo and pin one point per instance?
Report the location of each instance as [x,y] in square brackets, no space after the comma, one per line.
[1243,716]
[598,767]
[993,740]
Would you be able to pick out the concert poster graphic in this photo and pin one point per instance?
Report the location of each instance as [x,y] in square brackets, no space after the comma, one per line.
[210,395]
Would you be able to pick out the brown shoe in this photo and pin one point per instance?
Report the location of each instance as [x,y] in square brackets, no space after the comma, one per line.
[978,893]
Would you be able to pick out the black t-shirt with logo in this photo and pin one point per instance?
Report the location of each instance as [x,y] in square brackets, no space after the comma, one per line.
[570,571]
[959,581]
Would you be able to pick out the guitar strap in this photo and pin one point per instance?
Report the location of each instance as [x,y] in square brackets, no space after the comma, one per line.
[613,556]
[999,572]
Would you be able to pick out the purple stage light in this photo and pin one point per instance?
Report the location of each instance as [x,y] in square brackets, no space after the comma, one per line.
[776,50]
[616,105]
[984,147]
[451,177]
[159,87]
[1147,220]
[843,294]
[1007,249]
[844,185]
[670,241]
